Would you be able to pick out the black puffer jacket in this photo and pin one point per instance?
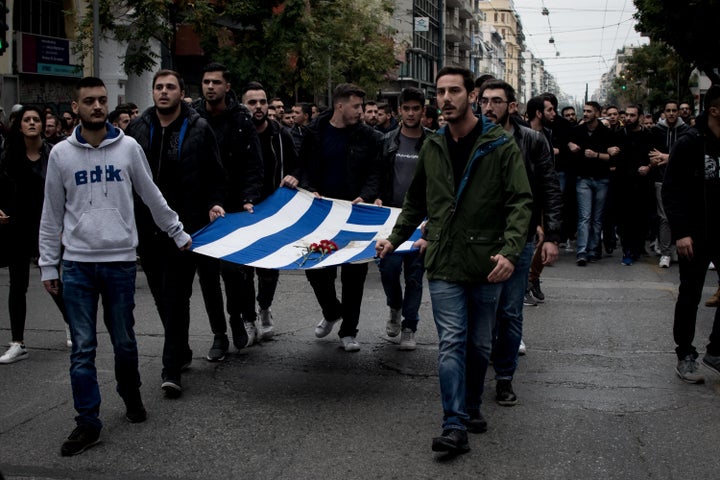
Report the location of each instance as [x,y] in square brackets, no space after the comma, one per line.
[363,166]
[240,151]
[202,180]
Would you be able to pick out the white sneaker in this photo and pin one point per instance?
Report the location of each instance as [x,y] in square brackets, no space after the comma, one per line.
[324,328]
[68,338]
[664,261]
[251,332]
[350,344]
[267,329]
[15,353]
[393,325]
[407,339]
[522,350]
[712,266]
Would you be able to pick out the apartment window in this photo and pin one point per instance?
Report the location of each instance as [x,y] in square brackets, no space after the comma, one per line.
[40,17]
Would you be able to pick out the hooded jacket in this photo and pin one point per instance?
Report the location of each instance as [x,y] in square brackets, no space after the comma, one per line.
[89,202]
[664,137]
[691,188]
[240,151]
[487,214]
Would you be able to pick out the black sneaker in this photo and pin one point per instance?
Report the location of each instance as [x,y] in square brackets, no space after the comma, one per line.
[134,409]
[476,423]
[535,290]
[219,348]
[504,394]
[451,440]
[82,438]
[172,387]
[239,333]
[529,300]
[581,261]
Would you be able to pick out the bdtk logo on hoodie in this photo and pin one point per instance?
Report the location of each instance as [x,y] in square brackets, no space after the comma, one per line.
[84,177]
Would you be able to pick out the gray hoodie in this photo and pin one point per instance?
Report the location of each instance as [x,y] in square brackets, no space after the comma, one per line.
[89,202]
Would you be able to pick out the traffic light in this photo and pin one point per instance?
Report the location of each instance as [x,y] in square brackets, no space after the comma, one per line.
[4,44]
[624,87]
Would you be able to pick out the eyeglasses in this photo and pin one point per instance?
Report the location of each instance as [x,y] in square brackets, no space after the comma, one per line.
[495,101]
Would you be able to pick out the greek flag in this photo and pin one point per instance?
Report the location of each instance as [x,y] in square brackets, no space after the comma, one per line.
[280,231]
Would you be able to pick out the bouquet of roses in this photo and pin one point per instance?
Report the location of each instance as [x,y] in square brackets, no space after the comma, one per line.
[323,248]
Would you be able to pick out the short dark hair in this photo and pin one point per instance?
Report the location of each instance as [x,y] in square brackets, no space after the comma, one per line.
[500,84]
[368,103]
[306,108]
[468,81]
[410,94]
[612,106]
[712,97]
[482,79]
[129,106]
[251,86]
[345,90]
[595,105]
[534,105]
[635,105]
[668,102]
[385,107]
[569,107]
[217,67]
[88,82]
[550,97]
[165,72]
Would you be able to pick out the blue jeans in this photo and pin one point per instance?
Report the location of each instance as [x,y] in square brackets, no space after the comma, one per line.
[83,284]
[508,327]
[591,195]
[390,270]
[464,318]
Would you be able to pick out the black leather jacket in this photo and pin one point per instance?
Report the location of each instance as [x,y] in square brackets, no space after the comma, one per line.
[362,168]
[391,144]
[547,196]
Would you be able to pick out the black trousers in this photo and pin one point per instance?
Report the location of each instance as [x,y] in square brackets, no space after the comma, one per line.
[692,281]
[352,278]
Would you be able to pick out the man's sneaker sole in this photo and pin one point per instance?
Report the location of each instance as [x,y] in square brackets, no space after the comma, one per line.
[693,381]
[171,389]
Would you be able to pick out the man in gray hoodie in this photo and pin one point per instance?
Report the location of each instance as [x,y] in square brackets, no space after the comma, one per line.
[89,211]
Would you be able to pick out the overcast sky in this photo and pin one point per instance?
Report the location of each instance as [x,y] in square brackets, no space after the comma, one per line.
[587,34]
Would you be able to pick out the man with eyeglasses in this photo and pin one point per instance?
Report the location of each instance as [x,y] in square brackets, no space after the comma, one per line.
[401,148]
[240,154]
[686,114]
[498,104]
[665,134]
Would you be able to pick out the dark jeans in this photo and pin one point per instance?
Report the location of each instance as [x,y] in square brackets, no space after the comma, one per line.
[391,268]
[85,283]
[209,272]
[170,274]
[19,270]
[267,284]
[352,278]
[692,281]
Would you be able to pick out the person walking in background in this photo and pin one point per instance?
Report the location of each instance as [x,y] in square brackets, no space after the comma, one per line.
[89,211]
[23,169]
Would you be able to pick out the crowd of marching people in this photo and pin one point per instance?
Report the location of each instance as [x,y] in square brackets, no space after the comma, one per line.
[88,193]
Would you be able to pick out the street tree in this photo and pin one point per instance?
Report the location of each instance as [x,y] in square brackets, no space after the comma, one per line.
[690,28]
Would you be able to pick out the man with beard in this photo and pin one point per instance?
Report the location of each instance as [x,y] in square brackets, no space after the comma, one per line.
[341,158]
[498,103]
[371,113]
[241,158]
[186,166]
[88,225]
[279,166]
[471,186]
[634,186]
[589,144]
[401,149]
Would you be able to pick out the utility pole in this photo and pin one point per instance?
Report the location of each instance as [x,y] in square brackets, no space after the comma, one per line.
[96,38]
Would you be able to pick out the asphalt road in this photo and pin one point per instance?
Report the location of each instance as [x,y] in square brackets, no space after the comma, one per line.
[599,398]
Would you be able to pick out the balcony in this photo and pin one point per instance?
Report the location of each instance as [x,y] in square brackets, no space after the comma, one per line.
[458,35]
[464,6]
